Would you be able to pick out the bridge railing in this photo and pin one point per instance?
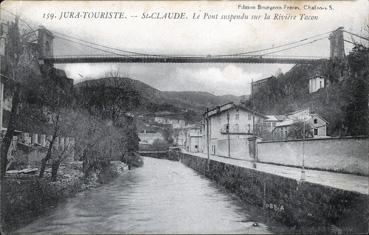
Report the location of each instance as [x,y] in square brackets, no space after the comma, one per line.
[185,56]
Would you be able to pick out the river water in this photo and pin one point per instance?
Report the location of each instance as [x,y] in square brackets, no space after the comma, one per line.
[161,197]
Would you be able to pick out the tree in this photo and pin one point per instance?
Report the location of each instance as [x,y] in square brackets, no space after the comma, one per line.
[129,140]
[59,155]
[356,92]
[159,144]
[20,70]
[55,97]
[168,134]
[296,131]
[55,118]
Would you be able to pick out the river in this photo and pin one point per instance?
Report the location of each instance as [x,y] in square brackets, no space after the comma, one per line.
[161,197]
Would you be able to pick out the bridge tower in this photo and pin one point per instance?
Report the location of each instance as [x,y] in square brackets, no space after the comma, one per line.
[337,47]
[45,43]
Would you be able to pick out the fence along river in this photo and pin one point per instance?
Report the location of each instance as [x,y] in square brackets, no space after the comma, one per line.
[161,197]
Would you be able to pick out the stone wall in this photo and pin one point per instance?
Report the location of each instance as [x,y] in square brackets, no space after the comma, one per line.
[307,207]
[154,154]
[239,148]
[347,155]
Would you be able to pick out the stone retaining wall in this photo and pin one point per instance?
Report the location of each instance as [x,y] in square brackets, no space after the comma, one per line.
[346,155]
[307,207]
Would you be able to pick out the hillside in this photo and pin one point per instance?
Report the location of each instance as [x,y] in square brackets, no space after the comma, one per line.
[130,95]
[198,99]
[343,101]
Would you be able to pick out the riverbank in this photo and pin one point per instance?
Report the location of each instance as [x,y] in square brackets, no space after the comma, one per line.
[162,197]
[26,197]
[303,206]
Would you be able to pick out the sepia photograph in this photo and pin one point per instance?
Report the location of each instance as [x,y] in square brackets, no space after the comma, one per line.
[184,117]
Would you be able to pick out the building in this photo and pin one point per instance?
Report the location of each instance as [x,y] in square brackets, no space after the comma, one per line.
[315,126]
[265,130]
[148,137]
[316,83]
[229,127]
[319,125]
[176,123]
[179,137]
[255,86]
[194,139]
[271,121]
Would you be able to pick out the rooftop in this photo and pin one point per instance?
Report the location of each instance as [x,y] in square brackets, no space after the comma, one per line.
[228,106]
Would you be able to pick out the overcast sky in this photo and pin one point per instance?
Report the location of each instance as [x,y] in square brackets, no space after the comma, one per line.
[190,37]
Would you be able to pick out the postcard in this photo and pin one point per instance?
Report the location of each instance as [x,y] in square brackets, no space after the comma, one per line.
[172,117]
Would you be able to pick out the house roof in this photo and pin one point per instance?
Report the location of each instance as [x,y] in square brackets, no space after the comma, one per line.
[286,122]
[289,121]
[317,115]
[228,106]
[298,111]
[272,118]
[262,80]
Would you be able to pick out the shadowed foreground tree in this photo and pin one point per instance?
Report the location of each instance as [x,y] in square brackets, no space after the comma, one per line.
[357,89]
[20,71]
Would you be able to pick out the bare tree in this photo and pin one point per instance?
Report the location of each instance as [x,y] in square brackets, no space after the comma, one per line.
[55,118]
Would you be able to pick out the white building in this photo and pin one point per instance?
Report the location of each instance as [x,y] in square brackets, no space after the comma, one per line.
[176,123]
[270,122]
[319,125]
[149,137]
[315,83]
[229,127]
[315,124]
[194,140]
[179,137]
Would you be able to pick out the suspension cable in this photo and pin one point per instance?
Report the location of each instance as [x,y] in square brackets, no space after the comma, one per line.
[96,48]
[279,46]
[96,44]
[356,35]
[294,46]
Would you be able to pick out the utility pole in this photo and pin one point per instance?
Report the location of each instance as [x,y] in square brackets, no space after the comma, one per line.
[207,135]
[305,118]
[303,153]
[253,125]
[228,136]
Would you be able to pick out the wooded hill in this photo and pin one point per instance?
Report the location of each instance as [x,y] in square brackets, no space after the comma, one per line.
[128,95]
[343,102]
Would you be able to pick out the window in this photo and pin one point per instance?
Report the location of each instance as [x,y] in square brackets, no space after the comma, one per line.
[47,46]
[236,128]
[249,116]
[315,131]
[248,128]
[237,116]
[320,84]
[315,121]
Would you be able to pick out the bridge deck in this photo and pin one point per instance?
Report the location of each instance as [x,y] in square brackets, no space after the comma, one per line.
[180,59]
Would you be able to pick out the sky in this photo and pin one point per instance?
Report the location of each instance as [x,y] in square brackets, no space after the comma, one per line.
[191,36]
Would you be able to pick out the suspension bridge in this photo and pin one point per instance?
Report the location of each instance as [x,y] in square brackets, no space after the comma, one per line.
[46,40]
[116,55]
[266,55]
